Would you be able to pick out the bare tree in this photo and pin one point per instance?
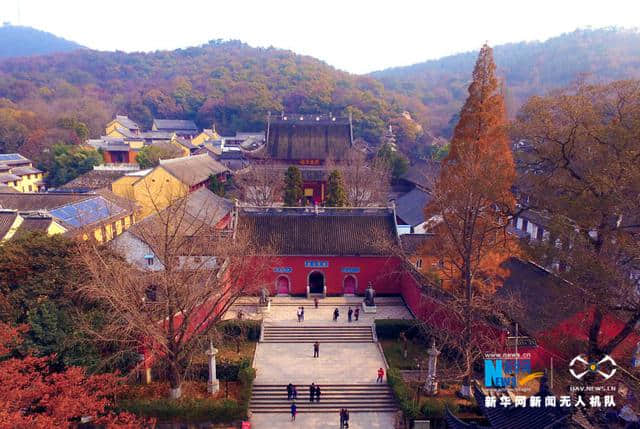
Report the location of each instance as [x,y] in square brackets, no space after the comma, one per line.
[367,182]
[261,184]
[165,307]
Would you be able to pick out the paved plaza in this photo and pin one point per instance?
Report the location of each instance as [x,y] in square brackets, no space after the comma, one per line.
[321,420]
[351,363]
[283,309]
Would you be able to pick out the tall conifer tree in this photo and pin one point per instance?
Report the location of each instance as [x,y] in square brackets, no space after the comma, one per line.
[336,194]
[293,191]
[472,200]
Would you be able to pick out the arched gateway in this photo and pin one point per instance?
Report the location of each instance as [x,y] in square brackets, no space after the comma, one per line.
[316,282]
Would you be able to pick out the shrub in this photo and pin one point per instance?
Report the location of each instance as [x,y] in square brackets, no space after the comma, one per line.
[390,329]
[234,328]
[225,370]
[402,393]
[246,375]
[192,410]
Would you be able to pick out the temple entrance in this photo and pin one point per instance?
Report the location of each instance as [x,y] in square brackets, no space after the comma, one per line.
[282,285]
[316,282]
[349,285]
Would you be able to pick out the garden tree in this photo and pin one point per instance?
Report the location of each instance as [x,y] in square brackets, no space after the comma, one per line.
[79,128]
[39,277]
[580,165]
[293,191]
[336,194]
[366,182]
[164,311]
[261,184]
[34,395]
[64,163]
[150,156]
[396,162]
[470,205]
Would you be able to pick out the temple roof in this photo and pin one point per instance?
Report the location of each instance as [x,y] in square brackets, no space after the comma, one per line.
[300,137]
[327,232]
[410,206]
[193,170]
[174,125]
[92,180]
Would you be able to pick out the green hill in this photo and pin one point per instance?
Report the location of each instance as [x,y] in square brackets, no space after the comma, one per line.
[19,41]
[527,69]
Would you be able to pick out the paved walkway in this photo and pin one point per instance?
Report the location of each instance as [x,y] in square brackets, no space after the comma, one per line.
[284,363]
[339,363]
[283,309]
[321,420]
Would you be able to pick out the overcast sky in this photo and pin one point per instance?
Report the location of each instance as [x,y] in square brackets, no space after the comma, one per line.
[354,35]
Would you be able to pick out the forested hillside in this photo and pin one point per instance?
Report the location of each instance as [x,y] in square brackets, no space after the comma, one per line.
[19,41]
[526,68]
[69,96]
[227,83]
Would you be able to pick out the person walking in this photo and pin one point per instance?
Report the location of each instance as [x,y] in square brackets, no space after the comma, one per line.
[342,418]
[289,391]
[294,411]
[315,302]
[316,349]
[357,313]
[336,314]
[312,391]
[350,313]
[318,393]
[294,392]
[302,314]
[380,375]
[346,418]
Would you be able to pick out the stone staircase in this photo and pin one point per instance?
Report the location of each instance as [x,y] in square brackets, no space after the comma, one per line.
[307,333]
[272,398]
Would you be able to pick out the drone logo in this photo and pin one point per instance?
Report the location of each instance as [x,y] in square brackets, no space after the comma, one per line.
[593,367]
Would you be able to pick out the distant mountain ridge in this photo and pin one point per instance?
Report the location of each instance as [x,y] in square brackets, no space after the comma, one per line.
[528,68]
[20,41]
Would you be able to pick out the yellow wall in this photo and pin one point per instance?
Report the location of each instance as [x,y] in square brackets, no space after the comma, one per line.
[111,127]
[156,190]
[203,137]
[185,151]
[27,180]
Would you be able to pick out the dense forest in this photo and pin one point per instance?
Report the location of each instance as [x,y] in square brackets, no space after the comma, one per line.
[526,68]
[20,41]
[227,83]
[65,97]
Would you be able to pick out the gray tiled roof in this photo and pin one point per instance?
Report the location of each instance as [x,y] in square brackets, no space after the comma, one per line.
[92,180]
[21,171]
[329,232]
[410,206]
[7,217]
[125,121]
[25,201]
[193,170]
[174,124]
[8,177]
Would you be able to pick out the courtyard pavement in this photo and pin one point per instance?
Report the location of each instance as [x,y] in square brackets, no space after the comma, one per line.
[322,420]
[339,363]
[283,309]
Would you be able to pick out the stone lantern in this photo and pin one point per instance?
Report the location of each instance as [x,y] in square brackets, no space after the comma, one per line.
[213,385]
[431,384]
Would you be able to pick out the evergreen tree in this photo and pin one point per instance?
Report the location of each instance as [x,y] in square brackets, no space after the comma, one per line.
[395,161]
[217,186]
[336,194]
[293,191]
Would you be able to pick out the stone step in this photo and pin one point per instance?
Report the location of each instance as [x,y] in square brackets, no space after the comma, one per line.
[320,333]
[272,398]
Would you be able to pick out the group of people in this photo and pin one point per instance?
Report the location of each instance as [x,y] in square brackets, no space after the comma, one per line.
[351,314]
[292,395]
[300,314]
[344,418]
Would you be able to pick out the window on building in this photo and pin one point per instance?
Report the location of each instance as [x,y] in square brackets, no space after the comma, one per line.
[149,259]
[524,224]
[539,234]
[419,263]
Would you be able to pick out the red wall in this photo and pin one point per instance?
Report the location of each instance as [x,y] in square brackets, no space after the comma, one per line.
[378,270]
